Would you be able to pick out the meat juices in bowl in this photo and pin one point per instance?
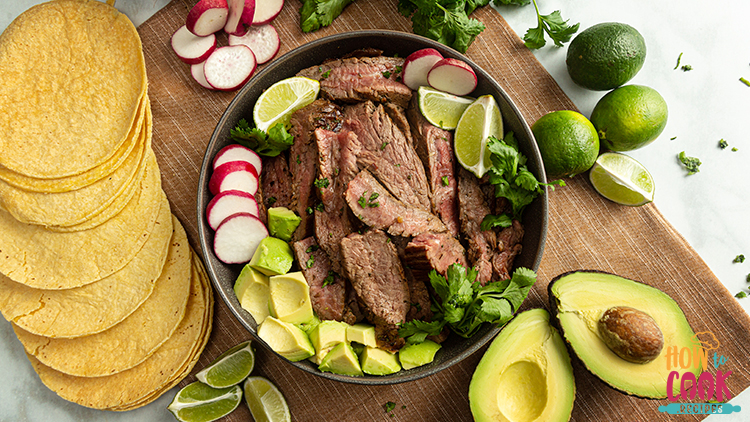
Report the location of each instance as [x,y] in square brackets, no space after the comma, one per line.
[372,151]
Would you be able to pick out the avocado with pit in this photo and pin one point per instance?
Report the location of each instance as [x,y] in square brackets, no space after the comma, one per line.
[282,222]
[376,361]
[272,257]
[525,374]
[325,336]
[414,355]
[621,330]
[342,360]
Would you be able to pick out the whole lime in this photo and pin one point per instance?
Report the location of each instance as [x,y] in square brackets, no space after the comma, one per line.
[629,117]
[605,56]
[567,141]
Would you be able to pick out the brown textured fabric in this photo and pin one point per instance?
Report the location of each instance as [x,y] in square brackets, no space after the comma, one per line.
[585,232]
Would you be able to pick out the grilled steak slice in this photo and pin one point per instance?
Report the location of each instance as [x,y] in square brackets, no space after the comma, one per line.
[508,246]
[275,190]
[433,251]
[337,164]
[356,79]
[377,208]
[472,210]
[419,298]
[435,148]
[303,158]
[388,154]
[375,271]
[327,289]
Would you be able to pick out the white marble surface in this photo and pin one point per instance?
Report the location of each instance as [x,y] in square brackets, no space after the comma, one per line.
[709,209]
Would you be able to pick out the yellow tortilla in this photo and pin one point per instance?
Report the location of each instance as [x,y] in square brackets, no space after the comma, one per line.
[134,339]
[43,259]
[73,75]
[64,184]
[169,362]
[76,206]
[94,307]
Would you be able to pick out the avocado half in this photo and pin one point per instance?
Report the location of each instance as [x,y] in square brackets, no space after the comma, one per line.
[525,374]
[579,299]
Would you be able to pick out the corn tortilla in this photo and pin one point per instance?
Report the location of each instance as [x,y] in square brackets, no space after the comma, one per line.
[43,259]
[73,76]
[76,206]
[170,361]
[94,307]
[65,184]
[133,339]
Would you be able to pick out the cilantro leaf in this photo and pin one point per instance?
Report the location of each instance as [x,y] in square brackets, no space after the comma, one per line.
[491,221]
[509,175]
[553,25]
[269,144]
[445,21]
[691,164]
[315,14]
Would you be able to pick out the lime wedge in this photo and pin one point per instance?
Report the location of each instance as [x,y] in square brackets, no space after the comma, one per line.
[480,120]
[622,179]
[198,402]
[230,368]
[265,401]
[440,108]
[277,103]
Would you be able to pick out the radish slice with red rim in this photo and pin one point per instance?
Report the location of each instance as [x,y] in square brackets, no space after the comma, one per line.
[241,13]
[197,71]
[262,39]
[417,65]
[237,152]
[452,76]
[230,67]
[207,17]
[237,238]
[266,11]
[190,48]
[234,175]
[227,203]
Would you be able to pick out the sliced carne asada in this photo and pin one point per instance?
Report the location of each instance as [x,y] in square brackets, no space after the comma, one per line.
[472,210]
[433,251]
[327,289]
[356,79]
[337,164]
[419,298]
[377,208]
[303,158]
[374,269]
[275,189]
[434,147]
[388,154]
[508,247]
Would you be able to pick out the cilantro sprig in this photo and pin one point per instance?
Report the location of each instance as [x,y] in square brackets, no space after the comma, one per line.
[553,25]
[315,14]
[464,305]
[269,144]
[445,21]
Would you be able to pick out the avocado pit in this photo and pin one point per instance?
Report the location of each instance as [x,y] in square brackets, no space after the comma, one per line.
[631,334]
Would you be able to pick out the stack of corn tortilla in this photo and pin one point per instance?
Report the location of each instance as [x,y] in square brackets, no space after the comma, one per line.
[110,302]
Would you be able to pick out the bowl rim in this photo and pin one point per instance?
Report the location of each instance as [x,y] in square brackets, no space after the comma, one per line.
[203,229]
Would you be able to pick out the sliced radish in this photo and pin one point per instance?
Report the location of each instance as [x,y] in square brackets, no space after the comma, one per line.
[236,152]
[191,48]
[452,76]
[197,71]
[234,175]
[417,65]
[266,11]
[229,67]
[237,238]
[262,39]
[241,13]
[227,203]
[207,17]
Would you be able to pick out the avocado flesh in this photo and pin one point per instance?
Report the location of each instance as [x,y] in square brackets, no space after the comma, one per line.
[525,375]
[582,297]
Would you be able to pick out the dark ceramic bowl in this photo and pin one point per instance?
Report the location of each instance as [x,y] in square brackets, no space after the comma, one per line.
[535,216]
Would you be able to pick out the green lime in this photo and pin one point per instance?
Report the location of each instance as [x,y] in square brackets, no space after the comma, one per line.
[622,179]
[440,108]
[265,401]
[479,121]
[629,117]
[230,368]
[197,402]
[605,56]
[277,103]
[567,142]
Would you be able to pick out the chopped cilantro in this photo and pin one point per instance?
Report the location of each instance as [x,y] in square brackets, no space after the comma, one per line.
[270,201]
[686,68]
[446,181]
[747,278]
[734,149]
[370,202]
[723,144]
[389,406]
[329,279]
[387,74]
[309,210]
[320,207]
[739,259]
[673,138]
[325,74]
[322,183]
[678,61]
[310,261]
[745,81]
[691,164]
[269,144]
[312,249]
[741,295]
[383,145]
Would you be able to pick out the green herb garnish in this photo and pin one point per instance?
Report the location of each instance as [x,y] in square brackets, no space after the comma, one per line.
[310,261]
[553,24]
[329,279]
[446,181]
[322,183]
[691,164]
[741,295]
[270,201]
[744,81]
[269,144]
[315,14]
[312,249]
[678,61]
[723,144]
[686,68]
[387,74]
[739,259]
[370,202]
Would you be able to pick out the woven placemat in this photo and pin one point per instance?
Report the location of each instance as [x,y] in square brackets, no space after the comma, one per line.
[585,232]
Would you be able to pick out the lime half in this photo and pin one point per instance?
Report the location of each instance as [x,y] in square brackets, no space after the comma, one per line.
[622,179]
[198,402]
[479,121]
[230,368]
[277,103]
[265,401]
[440,108]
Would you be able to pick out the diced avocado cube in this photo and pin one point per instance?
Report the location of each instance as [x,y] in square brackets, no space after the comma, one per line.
[273,257]
[251,288]
[282,222]
[289,298]
[342,360]
[286,339]
[378,362]
[413,355]
[325,336]
[361,333]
